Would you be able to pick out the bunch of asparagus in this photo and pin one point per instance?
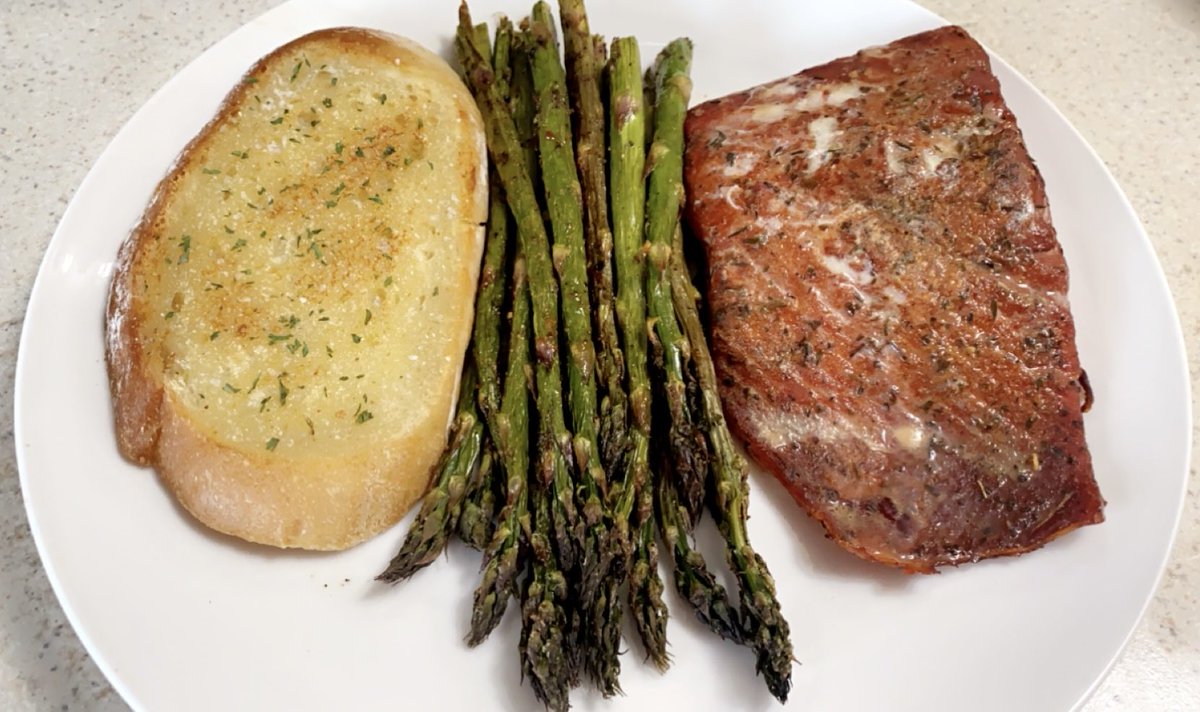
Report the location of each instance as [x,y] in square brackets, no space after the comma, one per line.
[554,471]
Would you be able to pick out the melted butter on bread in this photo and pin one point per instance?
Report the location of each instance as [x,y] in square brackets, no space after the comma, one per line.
[300,292]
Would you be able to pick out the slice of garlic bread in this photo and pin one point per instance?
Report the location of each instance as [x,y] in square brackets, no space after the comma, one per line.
[287,323]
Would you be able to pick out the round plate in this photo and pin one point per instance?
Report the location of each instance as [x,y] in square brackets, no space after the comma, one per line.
[183,619]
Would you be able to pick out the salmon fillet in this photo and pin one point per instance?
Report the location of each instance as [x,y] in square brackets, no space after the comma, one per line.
[888,304]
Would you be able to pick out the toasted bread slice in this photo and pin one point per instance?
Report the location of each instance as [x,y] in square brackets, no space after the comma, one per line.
[287,323]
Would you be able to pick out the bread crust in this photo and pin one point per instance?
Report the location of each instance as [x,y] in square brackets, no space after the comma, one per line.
[305,501]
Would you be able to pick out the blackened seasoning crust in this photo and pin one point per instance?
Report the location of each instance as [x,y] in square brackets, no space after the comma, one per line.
[888,303]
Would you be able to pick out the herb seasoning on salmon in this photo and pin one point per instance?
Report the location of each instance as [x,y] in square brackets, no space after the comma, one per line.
[888,304]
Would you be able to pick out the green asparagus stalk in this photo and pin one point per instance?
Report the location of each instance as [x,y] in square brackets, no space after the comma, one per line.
[554,540]
[764,628]
[627,159]
[602,634]
[523,110]
[476,517]
[502,558]
[489,297]
[440,507]
[510,426]
[502,56]
[585,61]
[664,200]
[693,580]
[646,588]
[633,518]
[563,201]
[475,524]
[524,114]
[554,440]
[546,658]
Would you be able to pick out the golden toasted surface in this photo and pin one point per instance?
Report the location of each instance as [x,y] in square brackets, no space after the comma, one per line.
[298,296]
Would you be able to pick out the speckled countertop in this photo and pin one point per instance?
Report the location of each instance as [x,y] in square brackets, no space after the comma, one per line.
[1126,73]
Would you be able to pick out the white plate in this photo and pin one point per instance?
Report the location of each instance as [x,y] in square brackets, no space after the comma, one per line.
[181,619]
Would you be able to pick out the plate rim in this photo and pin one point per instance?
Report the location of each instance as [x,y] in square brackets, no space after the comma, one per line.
[1163,286]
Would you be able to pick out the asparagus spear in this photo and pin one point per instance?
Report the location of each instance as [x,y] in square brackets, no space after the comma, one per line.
[440,507]
[509,426]
[475,524]
[502,558]
[585,60]
[563,201]
[475,520]
[634,507]
[489,297]
[502,56]
[522,107]
[693,580]
[646,587]
[554,439]
[665,198]
[546,659]
[764,627]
